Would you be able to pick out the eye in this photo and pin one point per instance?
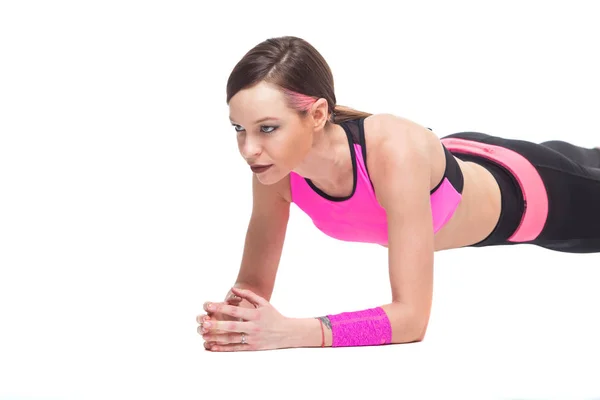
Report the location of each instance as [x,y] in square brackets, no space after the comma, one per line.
[270,128]
[273,128]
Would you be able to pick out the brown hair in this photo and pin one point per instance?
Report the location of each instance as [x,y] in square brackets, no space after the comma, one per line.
[298,68]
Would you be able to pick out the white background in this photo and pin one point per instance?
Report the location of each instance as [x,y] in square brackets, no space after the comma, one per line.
[124,202]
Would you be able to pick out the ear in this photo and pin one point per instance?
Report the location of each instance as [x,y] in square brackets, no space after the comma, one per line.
[320,113]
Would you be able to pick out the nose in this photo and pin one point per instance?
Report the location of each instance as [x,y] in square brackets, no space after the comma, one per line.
[250,147]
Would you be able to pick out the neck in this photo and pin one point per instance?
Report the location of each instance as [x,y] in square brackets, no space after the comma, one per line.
[326,162]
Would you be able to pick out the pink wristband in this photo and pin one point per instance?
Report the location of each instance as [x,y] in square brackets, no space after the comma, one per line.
[360,328]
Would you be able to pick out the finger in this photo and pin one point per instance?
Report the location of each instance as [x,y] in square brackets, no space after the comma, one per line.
[234,311]
[201,329]
[228,338]
[234,302]
[250,296]
[232,347]
[209,345]
[214,315]
[201,318]
[208,306]
[233,298]
[229,326]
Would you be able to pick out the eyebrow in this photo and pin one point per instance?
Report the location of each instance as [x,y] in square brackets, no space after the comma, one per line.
[260,120]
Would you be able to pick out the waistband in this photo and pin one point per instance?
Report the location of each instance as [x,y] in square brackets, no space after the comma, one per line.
[512,202]
[506,153]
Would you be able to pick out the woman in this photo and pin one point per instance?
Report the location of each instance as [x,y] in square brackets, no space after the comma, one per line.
[386,180]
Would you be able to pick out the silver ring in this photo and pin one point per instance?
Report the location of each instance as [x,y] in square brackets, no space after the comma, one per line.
[243,338]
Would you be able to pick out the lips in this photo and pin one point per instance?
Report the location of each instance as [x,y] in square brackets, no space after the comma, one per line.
[257,169]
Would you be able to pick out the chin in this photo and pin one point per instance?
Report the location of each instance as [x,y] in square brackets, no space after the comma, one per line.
[267,180]
[269,177]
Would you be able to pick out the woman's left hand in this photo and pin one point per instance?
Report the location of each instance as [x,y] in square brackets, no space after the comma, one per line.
[261,328]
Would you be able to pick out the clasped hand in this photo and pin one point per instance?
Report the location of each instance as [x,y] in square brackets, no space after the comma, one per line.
[228,327]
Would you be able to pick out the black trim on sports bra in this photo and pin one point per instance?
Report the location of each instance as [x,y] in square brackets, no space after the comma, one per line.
[452,172]
[363,146]
[321,193]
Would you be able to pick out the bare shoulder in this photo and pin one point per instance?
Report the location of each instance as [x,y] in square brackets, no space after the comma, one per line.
[392,139]
[284,190]
[386,127]
[276,192]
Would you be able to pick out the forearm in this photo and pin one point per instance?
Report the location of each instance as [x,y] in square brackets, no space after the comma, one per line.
[390,323]
[307,332]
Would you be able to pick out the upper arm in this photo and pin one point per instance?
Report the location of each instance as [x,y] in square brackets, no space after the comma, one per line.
[265,235]
[400,169]
[270,209]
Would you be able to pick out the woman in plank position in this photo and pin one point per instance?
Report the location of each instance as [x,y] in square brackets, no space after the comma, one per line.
[382,179]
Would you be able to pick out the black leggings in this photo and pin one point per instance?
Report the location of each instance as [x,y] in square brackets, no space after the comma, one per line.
[571,175]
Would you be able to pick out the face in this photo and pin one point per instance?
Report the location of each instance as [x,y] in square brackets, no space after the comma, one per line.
[268,132]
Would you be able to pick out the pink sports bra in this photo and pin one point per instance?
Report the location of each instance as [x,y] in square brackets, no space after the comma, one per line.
[359,217]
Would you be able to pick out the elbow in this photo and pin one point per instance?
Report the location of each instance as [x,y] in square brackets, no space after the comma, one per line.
[421,333]
[421,318]
[420,330]
[421,321]
[409,325]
